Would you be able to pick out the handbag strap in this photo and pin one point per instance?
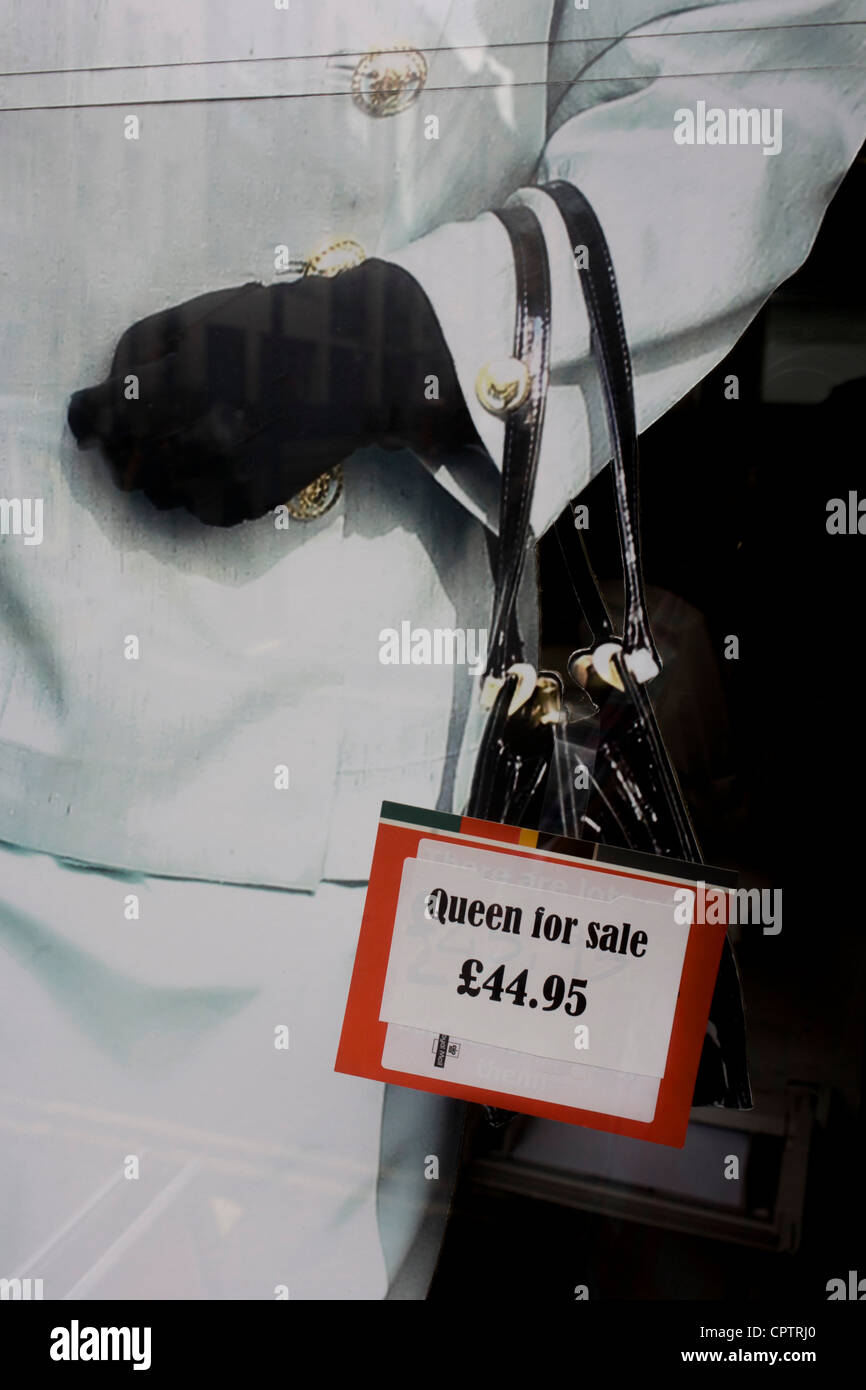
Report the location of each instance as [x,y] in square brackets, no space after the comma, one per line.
[610,347]
[639,659]
[522,430]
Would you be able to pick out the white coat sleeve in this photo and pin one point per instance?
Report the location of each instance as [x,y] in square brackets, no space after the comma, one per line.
[700,234]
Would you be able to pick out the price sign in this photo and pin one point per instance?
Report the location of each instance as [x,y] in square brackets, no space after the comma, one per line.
[513,967]
[554,978]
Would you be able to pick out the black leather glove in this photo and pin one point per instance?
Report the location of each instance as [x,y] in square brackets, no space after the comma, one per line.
[245,395]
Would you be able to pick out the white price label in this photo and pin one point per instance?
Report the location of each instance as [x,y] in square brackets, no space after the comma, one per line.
[551,974]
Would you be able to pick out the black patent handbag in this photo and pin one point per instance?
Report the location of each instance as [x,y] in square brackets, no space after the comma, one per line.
[586,759]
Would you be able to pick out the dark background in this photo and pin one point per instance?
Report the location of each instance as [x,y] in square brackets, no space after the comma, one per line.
[734,512]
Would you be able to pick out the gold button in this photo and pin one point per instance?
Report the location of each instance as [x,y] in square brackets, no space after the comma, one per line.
[387,82]
[503,385]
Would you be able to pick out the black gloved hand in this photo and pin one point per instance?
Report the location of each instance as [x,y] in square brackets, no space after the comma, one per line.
[246,395]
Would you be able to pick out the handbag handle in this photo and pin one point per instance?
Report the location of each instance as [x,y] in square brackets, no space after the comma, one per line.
[610,347]
[638,660]
[523,429]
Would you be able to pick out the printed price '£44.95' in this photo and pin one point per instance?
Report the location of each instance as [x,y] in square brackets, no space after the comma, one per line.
[554,990]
